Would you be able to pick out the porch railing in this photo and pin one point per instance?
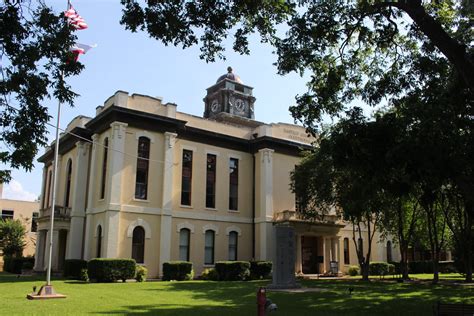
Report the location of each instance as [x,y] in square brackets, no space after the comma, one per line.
[60,212]
[288,215]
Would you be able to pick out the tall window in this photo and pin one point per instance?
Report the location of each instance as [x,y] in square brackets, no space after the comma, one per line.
[104,168]
[48,195]
[34,222]
[346,251]
[361,246]
[7,214]
[142,168]
[209,247]
[233,237]
[67,198]
[99,241]
[184,236]
[138,244]
[389,251]
[186,177]
[233,183]
[298,198]
[211,181]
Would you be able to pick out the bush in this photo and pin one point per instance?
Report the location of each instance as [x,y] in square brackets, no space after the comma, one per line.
[141,273]
[233,270]
[379,268]
[210,274]
[447,267]
[73,268]
[260,269]
[16,264]
[84,275]
[353,270]
[177,270]
[110,270]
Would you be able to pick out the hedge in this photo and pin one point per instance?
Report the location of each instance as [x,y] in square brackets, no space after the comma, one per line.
[177,270]
[141,273]
[210,275]
[110,270]
[233,270]
[73,267]
[427,267]
[381,268]
[353,270]
[15,265]
[260,269]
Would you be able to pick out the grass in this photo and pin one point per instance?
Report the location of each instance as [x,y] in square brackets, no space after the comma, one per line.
[227,298]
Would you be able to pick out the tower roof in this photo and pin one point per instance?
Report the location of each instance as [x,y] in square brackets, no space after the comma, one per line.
[230,75]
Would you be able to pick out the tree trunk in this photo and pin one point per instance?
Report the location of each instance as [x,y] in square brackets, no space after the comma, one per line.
[404,263]
[468,264]
[365,271]
[436,268]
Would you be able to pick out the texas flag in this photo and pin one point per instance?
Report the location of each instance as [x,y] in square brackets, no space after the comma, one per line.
[79,49]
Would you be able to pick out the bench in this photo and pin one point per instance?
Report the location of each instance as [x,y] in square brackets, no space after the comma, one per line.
[443,309]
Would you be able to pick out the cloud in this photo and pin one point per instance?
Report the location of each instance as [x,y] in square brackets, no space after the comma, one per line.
[14,191]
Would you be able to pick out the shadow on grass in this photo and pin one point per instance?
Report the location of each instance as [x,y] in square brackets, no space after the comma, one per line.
[368,298]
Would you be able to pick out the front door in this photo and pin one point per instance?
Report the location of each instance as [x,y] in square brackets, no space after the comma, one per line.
[309,254]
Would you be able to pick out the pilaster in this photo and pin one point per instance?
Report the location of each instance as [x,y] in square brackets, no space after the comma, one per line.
[165,226]
[111,235]
[78,202]
[116,165]
[265,202]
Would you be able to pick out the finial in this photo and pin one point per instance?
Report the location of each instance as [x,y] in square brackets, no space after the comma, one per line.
[229,69]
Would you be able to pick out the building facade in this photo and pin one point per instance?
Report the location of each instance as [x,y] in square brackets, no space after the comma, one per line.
[142,180]
[27,212]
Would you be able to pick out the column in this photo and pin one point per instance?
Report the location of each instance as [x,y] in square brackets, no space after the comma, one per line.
[299,263]
[167,197]
[90,196]
[40,250]
[337,252]
[325,257]
[112,215]
[55,257]
[78,202]
[265,200]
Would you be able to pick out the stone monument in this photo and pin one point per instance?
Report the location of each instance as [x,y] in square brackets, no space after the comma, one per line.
[284,260]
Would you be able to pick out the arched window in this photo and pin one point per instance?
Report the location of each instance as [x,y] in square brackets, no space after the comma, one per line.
[141,182]
[138,244]
[48,190]
[184,239]
[233,242]
[104,168]
[99,241]
[389,251]
[346,251]
[209,247]
[68,183]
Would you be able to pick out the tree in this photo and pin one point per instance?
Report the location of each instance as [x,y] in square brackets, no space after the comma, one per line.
[34,47]
[353,49]
[12,237]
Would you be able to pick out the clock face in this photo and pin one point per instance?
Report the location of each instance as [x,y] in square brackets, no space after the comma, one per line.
[214,106]
[240,105]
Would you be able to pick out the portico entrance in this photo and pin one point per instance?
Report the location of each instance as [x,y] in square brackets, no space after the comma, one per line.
[310,258]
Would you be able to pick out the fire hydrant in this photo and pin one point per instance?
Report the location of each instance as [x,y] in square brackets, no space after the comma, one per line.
[261,301]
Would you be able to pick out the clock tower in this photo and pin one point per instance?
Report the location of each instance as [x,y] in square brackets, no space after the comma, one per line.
[229,95]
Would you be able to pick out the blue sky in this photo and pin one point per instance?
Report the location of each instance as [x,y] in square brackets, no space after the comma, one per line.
[138,64]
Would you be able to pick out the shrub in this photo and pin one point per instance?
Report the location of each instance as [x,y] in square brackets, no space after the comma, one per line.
[110,270]
[379,268]
[84,275]
[28,263]
[447,267]
[353,270]
[178,270]
[233,270]
[141,273]
[16,264]
[260,269]
[73,268]
[210,274]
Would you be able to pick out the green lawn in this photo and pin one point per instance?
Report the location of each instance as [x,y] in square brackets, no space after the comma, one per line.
[227,298]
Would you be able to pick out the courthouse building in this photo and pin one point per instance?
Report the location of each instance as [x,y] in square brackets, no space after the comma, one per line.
[142,180]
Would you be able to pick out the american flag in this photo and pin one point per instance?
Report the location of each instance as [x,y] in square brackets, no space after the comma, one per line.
[79,49]
[75,19]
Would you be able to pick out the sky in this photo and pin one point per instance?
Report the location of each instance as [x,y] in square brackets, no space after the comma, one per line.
[135,63]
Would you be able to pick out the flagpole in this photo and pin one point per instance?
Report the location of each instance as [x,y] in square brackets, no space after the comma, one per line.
[55,178]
